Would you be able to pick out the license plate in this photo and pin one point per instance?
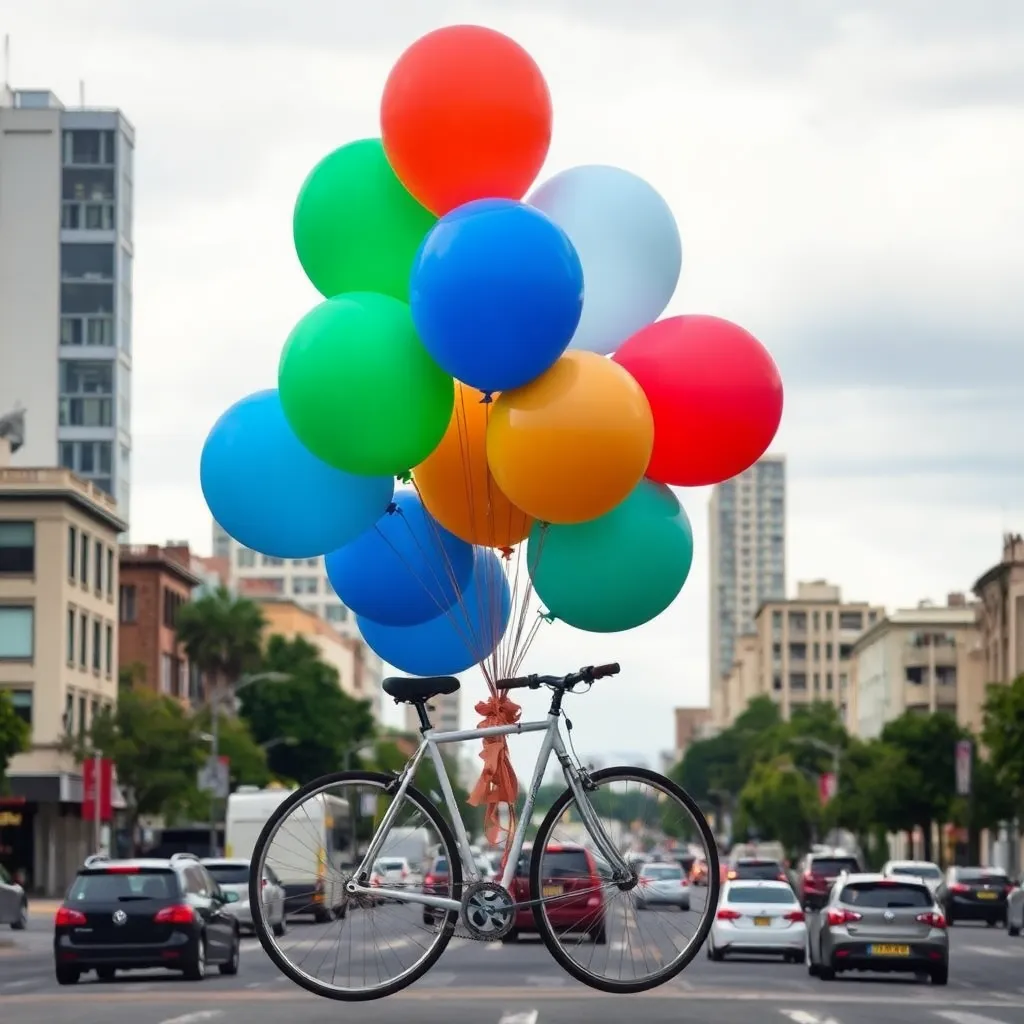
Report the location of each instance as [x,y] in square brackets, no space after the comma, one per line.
[986,895]
[762,922]
[551,890]
[889,950]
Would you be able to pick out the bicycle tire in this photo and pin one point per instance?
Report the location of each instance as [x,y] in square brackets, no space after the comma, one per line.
[547,934]
[263,930]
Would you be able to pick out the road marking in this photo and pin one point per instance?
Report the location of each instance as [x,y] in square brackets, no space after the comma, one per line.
[493,947]
[194,1018]
[541,980]
[962,1017]
[19,984]
[804,1017]
[527,1017]
[990,951]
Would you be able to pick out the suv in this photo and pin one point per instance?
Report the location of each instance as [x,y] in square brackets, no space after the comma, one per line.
[875,923]
[820,870]
[143,914]
[977,894]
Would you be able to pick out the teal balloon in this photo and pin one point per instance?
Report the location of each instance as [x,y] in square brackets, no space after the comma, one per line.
[618,571]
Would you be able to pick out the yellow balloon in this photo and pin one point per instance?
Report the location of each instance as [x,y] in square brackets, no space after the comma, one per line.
[572,444]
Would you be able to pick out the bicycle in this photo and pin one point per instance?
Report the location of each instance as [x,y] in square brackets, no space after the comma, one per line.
[454,890]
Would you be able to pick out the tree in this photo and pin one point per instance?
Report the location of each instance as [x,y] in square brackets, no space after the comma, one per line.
[14,735]
[1002,733]
[310,708]
[781,803]
[222,635]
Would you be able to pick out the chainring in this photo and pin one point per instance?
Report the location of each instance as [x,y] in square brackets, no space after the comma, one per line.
[488,911]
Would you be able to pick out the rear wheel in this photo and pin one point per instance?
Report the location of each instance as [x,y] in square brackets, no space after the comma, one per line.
[196,970]
[826,973]
[234,960]
[67,976]
[940,976]
[1013,931]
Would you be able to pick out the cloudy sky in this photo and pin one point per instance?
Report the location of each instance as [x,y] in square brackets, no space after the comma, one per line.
[846,176]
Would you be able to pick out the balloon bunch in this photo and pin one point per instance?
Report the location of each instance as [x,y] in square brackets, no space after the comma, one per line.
[462,346]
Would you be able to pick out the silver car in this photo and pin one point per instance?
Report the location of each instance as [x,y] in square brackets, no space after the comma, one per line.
[662,884]
[232,875]
[876,923]
[13,902]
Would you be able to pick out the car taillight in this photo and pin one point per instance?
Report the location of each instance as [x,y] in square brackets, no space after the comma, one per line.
[959,887]
[180,913]
[728,915]
[836,917]
[810,880]
[1009,887]
[731,875]
[121,869]
[67,918]
[795,915]
[933,919]
[429,880]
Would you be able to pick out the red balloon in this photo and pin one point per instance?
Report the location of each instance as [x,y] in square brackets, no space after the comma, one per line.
[715,393]
[466,114]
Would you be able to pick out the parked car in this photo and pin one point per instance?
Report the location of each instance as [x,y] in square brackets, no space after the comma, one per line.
[819,871]
[758,917]
[663,885]
[232,875]
[873,923]
[13,902]
[122,915]
[977,894]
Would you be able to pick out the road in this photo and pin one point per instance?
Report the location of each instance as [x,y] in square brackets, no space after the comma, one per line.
[519,984]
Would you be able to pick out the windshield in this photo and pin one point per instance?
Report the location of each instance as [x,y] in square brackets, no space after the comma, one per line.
[765,869]
[885,895]
[229,874]
[667,872]
[558,864]
[109,887]
[832,866]
[440,866]
[916,871]
[390,865]
[750,894]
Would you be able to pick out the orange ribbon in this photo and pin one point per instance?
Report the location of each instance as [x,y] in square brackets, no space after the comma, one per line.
[498,783]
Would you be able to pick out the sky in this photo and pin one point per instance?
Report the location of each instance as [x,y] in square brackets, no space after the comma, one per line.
[846,178]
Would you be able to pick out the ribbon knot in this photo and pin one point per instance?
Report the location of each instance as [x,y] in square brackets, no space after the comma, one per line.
[498,784]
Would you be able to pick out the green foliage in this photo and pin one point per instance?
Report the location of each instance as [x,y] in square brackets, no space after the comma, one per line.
[1003,735]
[780,802]
[309,708]
[14,735]
[222,635]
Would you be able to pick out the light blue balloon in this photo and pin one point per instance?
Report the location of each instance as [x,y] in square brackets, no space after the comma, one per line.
[628,243]
[465,635]
[269,493]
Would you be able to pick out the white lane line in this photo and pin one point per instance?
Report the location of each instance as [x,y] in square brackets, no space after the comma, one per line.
[527,1017]
[194,1018]
[493,947]
[546,981]
[803,1017]
[963,1017]
[19,984]
[990,951]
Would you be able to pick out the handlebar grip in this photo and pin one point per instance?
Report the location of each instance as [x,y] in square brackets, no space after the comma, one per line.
[600,671]
[515,683]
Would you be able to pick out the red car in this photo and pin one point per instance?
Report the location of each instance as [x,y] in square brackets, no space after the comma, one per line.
[568,869]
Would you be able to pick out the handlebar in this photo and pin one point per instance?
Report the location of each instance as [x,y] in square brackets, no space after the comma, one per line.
[535,682]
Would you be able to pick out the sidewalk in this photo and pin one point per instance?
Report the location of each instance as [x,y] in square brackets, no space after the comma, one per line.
[42,908]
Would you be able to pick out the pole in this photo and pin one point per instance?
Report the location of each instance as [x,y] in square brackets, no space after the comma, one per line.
[215,764]
[97,820]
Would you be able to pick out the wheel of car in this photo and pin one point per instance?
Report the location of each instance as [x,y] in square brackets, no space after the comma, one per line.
[231,967]
[812,968]
[67,976]
[826,973]
[1013,931]
[321,916]
[196,970]
[798,958]
[105,973]
[513,936]
[20,923]
[940,976]
[280,929]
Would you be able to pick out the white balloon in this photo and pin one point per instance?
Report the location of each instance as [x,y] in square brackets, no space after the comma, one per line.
[628,244]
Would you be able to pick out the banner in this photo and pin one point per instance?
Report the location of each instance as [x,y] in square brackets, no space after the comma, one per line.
[89,788]
[964,760]
[826,786]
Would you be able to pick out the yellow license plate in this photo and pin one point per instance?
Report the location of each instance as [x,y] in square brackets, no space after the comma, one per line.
[762,922]
[986,895]
[890,951]
[552,890]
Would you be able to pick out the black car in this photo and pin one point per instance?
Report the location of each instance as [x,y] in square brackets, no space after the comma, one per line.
[122,915]
[977,894]
[756,869]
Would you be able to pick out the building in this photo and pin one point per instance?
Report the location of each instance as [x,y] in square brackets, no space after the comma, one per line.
[692,724]
[66,285]
[923,659]
[155,583]
[58,653]
[747,545]
[741,685]
[303,580]
[1001,613]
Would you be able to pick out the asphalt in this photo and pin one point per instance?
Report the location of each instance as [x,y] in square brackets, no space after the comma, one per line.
[520,984]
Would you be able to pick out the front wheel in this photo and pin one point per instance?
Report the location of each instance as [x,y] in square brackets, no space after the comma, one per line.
[574,896]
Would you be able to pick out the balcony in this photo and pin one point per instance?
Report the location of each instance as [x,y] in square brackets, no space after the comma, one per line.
[917,655]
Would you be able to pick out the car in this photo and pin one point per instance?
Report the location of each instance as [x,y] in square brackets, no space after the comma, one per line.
[926,870]
[663,884]
[871,922]
[435,883]
[819,872]
[123,915]
[977,894]
[749,869]
[1015,911]
[574,875]
[699,872]
[13,902]
[232,875]
[758,917]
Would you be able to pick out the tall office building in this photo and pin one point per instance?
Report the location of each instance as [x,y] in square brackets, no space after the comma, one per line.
[66,285]
[747,543]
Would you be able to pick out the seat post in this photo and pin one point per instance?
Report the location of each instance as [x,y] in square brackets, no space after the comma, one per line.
[421,711]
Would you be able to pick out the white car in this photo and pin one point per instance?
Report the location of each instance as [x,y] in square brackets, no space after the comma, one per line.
[13,902]
[758,918]
[929,873]
[662,884]
[232,875]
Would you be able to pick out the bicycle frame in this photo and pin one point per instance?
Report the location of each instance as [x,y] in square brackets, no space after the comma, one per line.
[432,741]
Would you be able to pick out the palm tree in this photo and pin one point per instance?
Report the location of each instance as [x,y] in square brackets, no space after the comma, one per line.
[222,635]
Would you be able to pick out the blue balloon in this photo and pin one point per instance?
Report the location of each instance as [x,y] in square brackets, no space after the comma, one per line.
[269,493]
[464,636]
[496,293]
[407,568]
[628,243]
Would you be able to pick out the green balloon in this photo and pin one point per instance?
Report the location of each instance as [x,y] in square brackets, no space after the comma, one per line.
[617,571]
[355,226]
[359,389]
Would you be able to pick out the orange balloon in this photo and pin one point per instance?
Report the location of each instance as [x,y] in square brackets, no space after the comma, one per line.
[572,444]
[456,485]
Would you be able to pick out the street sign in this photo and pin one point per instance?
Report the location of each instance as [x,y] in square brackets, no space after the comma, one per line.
[964,763]
[215,777]
[827,786]
[97,782]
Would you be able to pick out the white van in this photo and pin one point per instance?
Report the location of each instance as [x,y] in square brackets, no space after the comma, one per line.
[310,862]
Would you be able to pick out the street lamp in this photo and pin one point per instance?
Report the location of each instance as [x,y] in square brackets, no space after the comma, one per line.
[279,741]
[834,752]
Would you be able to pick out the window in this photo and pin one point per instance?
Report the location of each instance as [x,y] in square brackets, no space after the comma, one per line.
[87,261]
[71,636]
[86,393]
[87,184]
[86,298]
[95,330]
[83,640]
[883,895]
[97,647]
[69,712]
[172,603]
[128,611]
[245,558]
[17,632]
[81,715]
[110,572]
[84,561]
[90,147]
[336,613]
[98,569]
[166,673]
[305,584]
[272,561]
[17,548]
[798,680]
[72,552]
[109,662]
[851,620]
[22,701]
[798,620]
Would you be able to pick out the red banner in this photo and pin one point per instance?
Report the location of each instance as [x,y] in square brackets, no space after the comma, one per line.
[826,786]
[89,787]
